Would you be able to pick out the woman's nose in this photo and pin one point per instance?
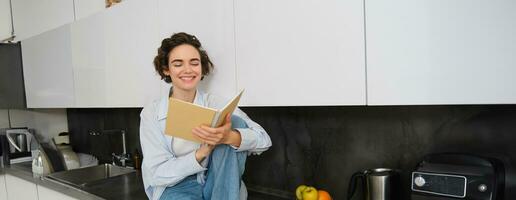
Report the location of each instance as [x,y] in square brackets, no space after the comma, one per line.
[188,68]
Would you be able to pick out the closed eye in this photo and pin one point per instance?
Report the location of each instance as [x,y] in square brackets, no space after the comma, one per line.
[195,61]
[177,63]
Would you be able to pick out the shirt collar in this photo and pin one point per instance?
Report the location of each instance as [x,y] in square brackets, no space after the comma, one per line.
[163,105]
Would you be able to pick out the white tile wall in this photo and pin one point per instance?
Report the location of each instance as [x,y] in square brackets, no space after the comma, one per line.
[21,118]
[46,122]
[4,121]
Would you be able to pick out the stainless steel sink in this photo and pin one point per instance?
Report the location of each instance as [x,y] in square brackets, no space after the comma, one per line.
[84,176]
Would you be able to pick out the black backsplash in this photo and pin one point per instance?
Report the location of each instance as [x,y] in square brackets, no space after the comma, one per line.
[323,146]
[82,121]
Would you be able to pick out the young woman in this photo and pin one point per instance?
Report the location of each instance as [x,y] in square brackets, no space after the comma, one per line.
[174,168]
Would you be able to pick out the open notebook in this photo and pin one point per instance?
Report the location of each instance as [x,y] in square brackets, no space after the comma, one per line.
[183,116]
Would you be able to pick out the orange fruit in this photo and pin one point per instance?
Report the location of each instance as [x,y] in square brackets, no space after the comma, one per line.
[323,195]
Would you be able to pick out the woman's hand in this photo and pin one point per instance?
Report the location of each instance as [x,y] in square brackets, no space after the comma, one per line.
[203,152]
[221,135]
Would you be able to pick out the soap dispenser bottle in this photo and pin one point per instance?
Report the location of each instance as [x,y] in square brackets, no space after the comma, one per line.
[37,164]
[137,159]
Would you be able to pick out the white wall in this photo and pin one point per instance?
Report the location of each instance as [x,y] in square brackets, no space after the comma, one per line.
[5,19]
[46,122]
[4,121]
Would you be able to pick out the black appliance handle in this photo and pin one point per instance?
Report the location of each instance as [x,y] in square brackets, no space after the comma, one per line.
[353,183]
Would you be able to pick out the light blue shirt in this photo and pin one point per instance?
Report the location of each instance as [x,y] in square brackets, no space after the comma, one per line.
[161,168]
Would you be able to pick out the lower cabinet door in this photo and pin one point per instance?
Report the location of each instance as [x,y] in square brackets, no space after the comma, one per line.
[19,189]
[3,189]
[49,194]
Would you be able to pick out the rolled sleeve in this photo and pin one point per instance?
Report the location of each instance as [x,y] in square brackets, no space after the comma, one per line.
[190,165]
[255,139]
[248,139]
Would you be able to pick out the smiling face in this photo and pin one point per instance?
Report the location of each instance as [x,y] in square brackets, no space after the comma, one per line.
[184,68]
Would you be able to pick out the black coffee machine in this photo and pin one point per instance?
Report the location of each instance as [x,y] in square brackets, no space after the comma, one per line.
[452,176]
[15,145]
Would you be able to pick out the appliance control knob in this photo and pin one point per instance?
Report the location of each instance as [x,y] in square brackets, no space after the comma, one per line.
[482,187]
[419,181]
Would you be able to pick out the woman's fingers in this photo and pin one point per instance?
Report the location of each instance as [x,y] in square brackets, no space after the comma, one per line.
[208,129]
[204,139]
[219,135]
[228,120]
[199,137]
[207,136]
[206,133]
[202,136]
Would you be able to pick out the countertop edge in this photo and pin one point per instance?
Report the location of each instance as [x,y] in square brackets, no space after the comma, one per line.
[22,173]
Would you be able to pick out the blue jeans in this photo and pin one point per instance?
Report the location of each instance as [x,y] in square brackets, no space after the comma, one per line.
[225,169]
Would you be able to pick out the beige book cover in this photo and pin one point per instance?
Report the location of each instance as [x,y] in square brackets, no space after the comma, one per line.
[183,116]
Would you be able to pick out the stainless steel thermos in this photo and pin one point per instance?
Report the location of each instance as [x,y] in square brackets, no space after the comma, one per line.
[378,184]
[19,139]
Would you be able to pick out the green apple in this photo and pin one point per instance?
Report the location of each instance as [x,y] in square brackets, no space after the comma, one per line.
[299,191]
[310,193]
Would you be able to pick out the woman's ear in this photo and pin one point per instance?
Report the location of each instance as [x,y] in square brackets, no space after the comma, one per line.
[166,71]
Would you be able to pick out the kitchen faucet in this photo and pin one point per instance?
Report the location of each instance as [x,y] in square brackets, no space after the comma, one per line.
[120,157]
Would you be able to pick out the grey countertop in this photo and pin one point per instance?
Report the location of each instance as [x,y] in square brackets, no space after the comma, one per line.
[127,186]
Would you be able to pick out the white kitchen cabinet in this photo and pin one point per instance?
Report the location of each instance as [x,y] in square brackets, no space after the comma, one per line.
[88,49]
[300,53]
[212,22]
[20,189]
[32,17]
[113,50]
[47,69]
[112,56]
[85,8]
[441,52]
[3,188]
[48,194]
[5,19]
[49,14]
[131,42]
[103,60]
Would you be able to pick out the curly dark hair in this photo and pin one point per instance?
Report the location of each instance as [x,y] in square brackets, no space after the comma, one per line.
[168,44]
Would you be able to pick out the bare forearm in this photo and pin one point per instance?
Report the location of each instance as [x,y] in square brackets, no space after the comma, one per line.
[235,139]
[203,152]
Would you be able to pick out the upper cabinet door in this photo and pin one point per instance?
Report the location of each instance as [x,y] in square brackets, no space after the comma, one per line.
[32,17]
[5,19]
[85,8]
[47,69]
[441,52]
[112,56]
[212,23]
[131,41]
[307,52]
[89,60]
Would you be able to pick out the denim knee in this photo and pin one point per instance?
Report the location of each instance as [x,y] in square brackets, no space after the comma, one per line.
[237,122]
